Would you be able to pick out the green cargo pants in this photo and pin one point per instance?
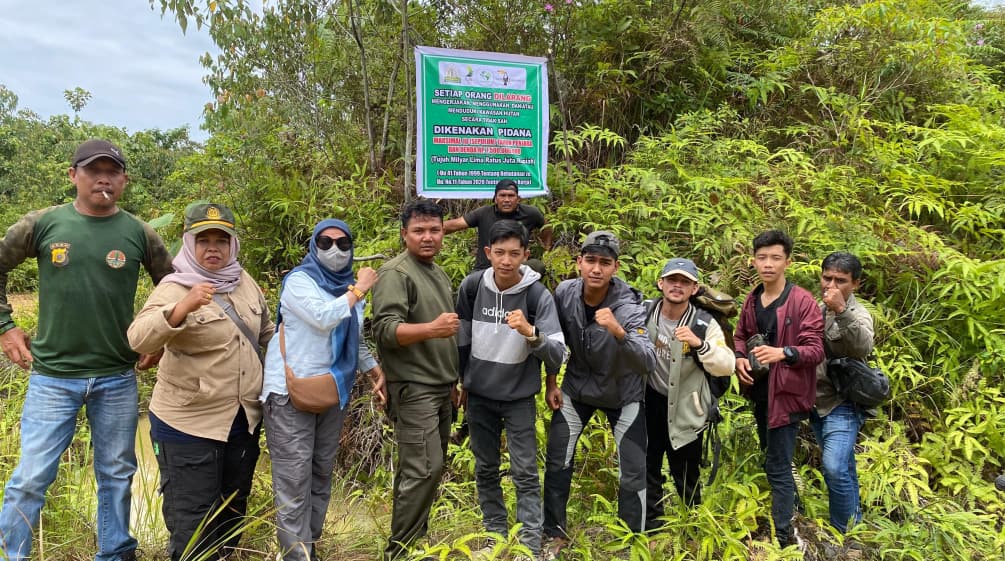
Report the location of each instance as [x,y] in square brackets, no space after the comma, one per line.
[421,417]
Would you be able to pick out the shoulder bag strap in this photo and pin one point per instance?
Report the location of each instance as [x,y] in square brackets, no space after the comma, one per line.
[282,343]
[241,326]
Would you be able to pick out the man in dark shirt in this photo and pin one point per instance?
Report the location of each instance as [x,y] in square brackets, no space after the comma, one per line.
[790,324]
[506,205]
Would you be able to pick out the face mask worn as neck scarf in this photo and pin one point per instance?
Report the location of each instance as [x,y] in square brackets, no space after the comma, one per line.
[334,259]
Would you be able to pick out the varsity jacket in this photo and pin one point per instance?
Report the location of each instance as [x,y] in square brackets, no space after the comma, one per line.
[680,379]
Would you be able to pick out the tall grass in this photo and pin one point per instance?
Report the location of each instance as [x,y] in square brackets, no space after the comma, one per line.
[906,516]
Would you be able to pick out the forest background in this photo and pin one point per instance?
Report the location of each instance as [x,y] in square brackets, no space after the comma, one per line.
[686,127]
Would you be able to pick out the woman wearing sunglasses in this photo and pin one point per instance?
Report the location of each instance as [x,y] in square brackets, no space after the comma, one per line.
[210,319]
[310,369]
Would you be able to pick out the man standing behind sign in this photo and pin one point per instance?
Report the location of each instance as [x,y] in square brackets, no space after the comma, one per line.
[506,206]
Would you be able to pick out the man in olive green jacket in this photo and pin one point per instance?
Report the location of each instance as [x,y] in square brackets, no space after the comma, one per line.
[836,421]
[415,326]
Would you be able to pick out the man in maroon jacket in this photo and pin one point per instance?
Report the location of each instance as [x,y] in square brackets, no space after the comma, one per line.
[790,326]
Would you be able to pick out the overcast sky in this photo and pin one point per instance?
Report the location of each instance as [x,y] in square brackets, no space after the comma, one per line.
[141,70]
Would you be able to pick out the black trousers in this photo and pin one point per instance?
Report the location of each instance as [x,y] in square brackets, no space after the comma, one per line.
[684,463]
[779,445]
[199,478]
[628,423]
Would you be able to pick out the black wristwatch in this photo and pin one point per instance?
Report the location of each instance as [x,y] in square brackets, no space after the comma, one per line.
[791,355]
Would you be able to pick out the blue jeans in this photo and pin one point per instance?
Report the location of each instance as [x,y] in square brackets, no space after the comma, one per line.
[487,418]
[48,423]
[836,434]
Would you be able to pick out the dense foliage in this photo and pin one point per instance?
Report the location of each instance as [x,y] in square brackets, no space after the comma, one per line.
[687,127]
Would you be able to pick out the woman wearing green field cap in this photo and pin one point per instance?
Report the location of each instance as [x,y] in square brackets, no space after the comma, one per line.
[211,320]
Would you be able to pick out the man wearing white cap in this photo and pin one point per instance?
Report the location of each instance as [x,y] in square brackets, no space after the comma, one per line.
[689,344]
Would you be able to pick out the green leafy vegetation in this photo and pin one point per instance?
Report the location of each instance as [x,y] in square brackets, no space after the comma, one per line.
[685,127]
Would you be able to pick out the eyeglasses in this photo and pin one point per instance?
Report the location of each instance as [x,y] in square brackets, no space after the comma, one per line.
[325,243]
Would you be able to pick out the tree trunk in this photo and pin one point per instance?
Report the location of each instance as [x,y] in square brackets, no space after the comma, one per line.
[409,109]
[387,113]
[358,36]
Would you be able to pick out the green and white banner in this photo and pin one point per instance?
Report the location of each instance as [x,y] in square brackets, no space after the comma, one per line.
[481,117]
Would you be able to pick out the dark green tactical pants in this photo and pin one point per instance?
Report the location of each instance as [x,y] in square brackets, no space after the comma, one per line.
[421,418]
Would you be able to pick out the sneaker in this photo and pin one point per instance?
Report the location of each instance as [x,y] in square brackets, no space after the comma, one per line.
[485,552]
[128,556]
[553,547]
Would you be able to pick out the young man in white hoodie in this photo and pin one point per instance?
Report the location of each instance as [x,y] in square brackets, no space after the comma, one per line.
[509,327]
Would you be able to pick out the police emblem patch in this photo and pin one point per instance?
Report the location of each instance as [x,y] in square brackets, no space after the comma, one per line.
[60,252]
[213,213]
[115,259]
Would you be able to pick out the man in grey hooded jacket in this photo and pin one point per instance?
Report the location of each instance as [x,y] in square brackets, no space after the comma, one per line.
[509,327]
[604,324]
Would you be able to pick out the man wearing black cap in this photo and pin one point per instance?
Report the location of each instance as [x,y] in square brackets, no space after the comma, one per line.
[506,206]
[89,253]
[689,343]
[610,354]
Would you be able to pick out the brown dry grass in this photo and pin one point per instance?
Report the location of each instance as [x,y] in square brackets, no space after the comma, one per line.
[25,303]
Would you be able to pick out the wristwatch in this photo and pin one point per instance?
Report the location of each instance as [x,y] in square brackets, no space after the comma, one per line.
[359,293]
[533,339]
[791,355]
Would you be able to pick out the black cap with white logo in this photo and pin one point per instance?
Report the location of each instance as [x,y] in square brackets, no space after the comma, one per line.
[94,149]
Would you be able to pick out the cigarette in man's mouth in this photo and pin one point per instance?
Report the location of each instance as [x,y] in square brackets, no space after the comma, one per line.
[105,193]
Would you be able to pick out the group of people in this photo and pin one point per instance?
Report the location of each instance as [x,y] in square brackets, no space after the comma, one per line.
[226,370]
[644,363]
[223,373]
